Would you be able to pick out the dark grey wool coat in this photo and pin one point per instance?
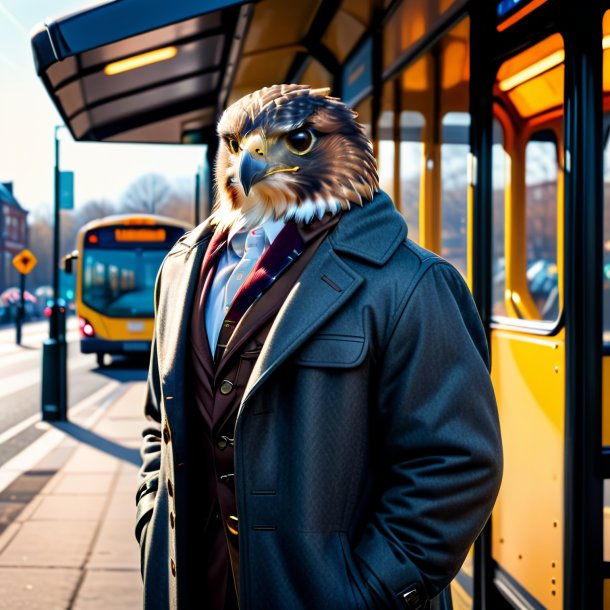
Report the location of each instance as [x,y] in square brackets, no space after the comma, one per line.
[367,446]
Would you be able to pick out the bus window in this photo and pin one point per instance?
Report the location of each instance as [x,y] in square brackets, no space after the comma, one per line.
[606,255]
[415,105]
[500,162]
[411,167]
[386,150]
[454,178]
[365,112]
[454,77]
[541,172]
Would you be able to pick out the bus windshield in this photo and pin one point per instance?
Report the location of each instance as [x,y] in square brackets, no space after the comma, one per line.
[120,265]
[120,283]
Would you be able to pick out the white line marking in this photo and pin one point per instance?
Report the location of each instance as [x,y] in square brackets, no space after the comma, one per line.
[16,383]
[31,455]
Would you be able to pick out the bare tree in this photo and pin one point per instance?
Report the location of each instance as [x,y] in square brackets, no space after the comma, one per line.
[94,209]
[181,202]
[147,194]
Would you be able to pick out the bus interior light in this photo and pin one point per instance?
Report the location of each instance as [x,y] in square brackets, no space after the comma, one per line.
[86,328]
[139,61]
[536,69]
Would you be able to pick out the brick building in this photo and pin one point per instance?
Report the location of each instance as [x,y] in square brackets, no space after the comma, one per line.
[13,234]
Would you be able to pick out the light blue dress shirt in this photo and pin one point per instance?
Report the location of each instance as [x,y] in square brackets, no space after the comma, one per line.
[230,256]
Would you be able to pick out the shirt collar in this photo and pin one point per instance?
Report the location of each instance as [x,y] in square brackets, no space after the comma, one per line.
[236,240]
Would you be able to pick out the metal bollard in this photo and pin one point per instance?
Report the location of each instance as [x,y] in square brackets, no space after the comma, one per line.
[54,378]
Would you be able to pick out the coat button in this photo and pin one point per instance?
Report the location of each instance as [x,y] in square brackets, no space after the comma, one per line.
[170,488]
[226,387]
[232,525]
[413,600]
[222,442]
[172,520]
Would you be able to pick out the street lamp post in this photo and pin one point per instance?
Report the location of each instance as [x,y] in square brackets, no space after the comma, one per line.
[54,381]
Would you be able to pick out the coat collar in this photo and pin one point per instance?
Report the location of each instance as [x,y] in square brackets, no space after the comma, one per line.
[371,232]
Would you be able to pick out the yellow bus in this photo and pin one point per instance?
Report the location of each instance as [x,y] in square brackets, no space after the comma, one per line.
[117,263]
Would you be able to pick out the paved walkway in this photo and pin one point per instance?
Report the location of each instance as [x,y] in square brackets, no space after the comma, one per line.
[67,541]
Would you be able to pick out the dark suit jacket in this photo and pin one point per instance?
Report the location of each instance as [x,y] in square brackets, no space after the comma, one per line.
[367,445]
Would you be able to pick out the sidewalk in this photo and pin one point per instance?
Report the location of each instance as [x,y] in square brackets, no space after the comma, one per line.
[69,543]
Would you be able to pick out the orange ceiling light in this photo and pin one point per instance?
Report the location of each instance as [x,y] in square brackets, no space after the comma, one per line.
[139,61]
[536,69]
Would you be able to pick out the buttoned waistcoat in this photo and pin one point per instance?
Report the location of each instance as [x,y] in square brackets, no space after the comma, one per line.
[367,444]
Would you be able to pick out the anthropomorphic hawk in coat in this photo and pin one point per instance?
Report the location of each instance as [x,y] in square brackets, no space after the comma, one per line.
[338,446]
[290,152]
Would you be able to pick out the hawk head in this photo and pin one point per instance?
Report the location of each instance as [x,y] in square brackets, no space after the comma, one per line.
[291,152]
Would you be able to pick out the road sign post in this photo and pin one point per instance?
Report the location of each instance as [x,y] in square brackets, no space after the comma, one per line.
[24,262]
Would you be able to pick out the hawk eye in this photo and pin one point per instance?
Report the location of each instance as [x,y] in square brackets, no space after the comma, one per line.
[234,146]
[300,141]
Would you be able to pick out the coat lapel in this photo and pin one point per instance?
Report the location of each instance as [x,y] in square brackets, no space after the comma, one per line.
[323,288]
[180,273]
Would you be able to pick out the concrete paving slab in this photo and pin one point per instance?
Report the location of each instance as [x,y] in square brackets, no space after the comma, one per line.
[58,456]
[121,430]
[127,483]
[105,590]
[81,483]
[89,459]
[61,544]
[29,509]
[122,506]
[8,534]
[37,589]
[116,547]
[70,508]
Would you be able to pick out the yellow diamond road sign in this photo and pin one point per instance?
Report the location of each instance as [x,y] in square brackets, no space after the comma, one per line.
[25,261]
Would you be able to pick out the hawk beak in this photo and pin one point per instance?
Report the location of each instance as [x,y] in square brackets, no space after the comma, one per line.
[251,171]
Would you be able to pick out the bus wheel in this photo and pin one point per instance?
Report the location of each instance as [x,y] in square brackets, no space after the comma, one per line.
[100,359]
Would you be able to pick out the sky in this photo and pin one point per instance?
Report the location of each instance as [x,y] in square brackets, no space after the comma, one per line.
[28,117]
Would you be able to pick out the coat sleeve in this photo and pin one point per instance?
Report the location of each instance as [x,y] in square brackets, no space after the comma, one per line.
[441,456]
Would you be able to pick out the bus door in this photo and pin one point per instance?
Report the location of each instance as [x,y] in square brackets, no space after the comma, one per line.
[527,335]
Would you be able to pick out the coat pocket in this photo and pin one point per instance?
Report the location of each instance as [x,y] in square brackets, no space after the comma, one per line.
[332,351]
[359,586]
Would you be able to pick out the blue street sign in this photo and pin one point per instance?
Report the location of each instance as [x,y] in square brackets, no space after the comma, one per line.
[66,190]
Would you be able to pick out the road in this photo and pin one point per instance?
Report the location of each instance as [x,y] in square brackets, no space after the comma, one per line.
[20,382]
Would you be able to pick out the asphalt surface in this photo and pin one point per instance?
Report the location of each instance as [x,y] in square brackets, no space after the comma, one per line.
[20,382]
